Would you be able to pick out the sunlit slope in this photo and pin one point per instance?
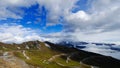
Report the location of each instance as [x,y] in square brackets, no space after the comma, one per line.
[48,55]
[40,54]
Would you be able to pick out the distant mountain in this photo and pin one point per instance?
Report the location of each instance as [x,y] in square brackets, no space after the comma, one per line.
[108,49]
[87,57]
[78,43]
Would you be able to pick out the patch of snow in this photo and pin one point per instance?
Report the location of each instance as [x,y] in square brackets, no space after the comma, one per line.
[27,47]
[25,55]
[38,46]
[47,45]
[4,48]
[18,48]
[5,53]
[94,67]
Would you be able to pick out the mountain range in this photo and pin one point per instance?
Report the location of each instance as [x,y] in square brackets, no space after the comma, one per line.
[64,54]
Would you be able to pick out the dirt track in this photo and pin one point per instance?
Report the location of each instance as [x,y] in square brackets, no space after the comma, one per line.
[8,60]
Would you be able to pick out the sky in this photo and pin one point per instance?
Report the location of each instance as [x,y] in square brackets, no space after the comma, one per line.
[55,20]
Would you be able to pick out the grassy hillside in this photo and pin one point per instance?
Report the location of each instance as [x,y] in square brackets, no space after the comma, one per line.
[44,58]
[40,55]
[48,55]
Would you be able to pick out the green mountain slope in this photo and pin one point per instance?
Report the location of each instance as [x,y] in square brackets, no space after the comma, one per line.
[40,54]
[48,55]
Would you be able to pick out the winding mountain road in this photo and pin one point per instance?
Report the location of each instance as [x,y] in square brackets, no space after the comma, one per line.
[8,60]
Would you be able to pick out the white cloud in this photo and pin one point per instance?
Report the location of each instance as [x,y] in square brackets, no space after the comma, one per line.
[103,49]
[6,5]
[100,23]
[105,37]
[102,15]
[29,22]
[57,8]
[17,34]
[80,15]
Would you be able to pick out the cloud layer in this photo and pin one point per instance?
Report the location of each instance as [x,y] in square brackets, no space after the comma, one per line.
[14,33]
[99,22]
[103,49]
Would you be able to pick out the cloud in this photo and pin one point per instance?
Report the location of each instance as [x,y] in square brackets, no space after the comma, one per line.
[6,7]
[100,22]
[57,8]
[29,22]
[103,49]
[105,37]
[81,15]
[18,33]
[13,33]
[59,36]
[104,16]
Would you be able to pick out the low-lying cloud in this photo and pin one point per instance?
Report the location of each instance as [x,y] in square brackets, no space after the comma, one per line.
[14,33]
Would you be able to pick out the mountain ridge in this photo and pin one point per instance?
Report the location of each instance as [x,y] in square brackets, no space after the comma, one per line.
[57,55]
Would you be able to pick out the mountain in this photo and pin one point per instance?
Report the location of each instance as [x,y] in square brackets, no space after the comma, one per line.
[36,54]
[78,44]
[108,49]
[88,57]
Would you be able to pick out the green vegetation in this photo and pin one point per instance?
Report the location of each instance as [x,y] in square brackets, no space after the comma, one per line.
[40,57]
[19,54]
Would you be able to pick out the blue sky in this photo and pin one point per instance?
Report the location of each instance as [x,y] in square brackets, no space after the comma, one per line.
[35,17]
[80,20]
